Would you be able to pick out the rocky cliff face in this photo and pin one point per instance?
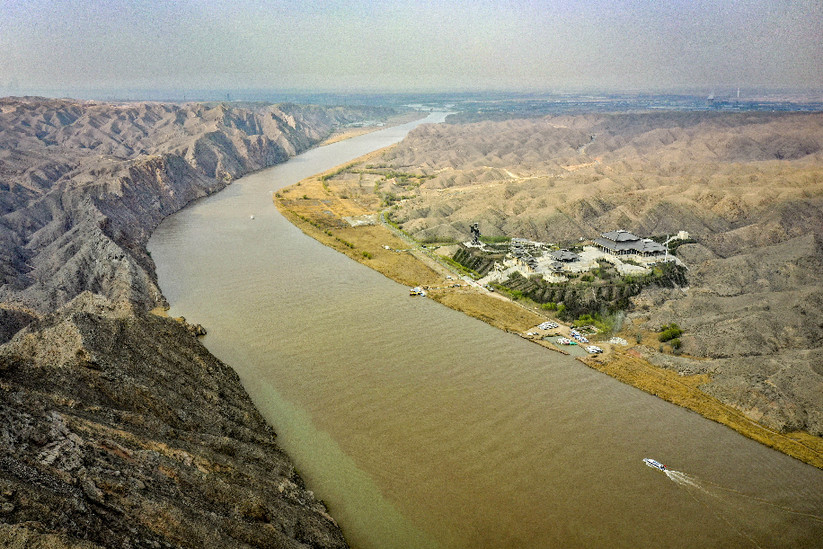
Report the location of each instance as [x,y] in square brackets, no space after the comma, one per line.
[82,185]
[119,428]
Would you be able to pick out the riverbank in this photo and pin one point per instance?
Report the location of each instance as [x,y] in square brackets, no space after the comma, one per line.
[341,209]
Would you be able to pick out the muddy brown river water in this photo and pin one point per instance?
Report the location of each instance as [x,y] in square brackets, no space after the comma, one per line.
[421,427]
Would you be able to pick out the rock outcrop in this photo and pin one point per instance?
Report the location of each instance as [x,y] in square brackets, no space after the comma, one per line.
[121,430]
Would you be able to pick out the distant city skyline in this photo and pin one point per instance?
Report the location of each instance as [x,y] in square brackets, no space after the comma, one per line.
[411,46]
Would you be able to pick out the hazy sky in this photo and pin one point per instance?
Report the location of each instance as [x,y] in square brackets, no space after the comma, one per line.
[416,45]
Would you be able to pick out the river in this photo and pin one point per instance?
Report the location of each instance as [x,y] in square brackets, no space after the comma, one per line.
[422,427]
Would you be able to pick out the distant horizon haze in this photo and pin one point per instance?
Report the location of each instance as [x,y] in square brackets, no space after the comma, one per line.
[439,98]
[418,46]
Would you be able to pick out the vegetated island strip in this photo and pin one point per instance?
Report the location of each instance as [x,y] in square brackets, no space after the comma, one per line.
[343,209]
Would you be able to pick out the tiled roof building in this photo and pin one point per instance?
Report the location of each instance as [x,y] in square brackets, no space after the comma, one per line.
[625,243]
[564,255]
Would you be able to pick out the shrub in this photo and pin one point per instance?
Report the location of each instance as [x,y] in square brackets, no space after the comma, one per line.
[604,323]
[604,272]
[669,332]
[585,320]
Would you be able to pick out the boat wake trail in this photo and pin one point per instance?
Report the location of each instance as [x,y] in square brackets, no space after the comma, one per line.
[710,498]
[720,492]
[684,480]
[735,508]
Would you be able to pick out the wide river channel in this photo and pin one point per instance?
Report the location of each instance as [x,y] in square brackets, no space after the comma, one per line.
[422,427]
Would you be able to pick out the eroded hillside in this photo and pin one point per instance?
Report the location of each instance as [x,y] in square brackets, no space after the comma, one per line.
[748,187]
[119,428]
[83,184]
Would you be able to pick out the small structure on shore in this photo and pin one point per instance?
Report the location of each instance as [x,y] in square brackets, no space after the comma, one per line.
[475,229]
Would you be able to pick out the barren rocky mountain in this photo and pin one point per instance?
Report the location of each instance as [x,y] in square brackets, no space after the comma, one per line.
[83,184]
[748,187]
[119,428]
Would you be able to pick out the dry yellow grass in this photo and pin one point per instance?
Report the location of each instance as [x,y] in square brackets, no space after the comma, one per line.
[160,311]
[501,314]
[319,213]
[402,267]
[318,207]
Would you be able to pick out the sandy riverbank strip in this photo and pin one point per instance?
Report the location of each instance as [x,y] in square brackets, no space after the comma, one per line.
[342,134]
[341,210]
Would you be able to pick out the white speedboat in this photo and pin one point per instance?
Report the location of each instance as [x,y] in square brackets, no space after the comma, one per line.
[653,463]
